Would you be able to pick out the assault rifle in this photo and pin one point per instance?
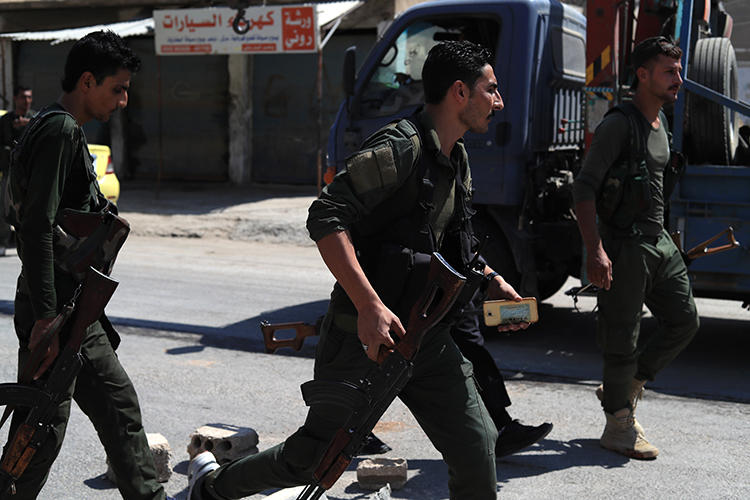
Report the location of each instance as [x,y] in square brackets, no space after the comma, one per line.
[86,307]
[699,250]
[702,249]
[368,400]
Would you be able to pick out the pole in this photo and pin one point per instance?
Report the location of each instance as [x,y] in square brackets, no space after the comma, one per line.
[319,91]
[159,126]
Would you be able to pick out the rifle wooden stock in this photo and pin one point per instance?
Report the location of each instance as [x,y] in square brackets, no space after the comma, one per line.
[96,290]
[19,455]
[301,331]
[702,249]
[442,288]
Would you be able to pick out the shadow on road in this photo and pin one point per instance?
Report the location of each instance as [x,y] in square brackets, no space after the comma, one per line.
[563,346]
[553,455]
[244,335]
[100,482]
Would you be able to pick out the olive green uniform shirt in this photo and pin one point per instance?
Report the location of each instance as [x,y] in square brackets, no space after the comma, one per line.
[60,175]
[611,140]
[374,174]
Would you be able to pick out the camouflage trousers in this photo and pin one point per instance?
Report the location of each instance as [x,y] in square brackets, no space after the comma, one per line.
[441,394]
[104,392]
[646,271]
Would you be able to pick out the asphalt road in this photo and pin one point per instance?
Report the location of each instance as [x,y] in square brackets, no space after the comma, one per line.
[188,311]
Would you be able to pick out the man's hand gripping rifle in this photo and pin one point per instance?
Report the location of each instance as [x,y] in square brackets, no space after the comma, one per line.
[368,401]
[42,400]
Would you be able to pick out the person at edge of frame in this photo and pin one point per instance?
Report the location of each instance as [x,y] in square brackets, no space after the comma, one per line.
[625,182]
[513,436]
[406,192]
[12,125]
[60,175]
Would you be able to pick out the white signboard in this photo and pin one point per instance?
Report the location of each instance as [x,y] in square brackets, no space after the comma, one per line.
[270,30]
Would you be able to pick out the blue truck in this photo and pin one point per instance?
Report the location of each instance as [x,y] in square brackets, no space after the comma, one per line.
[523,167]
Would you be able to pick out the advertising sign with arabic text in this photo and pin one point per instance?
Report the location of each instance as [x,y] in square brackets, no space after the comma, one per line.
[270,30]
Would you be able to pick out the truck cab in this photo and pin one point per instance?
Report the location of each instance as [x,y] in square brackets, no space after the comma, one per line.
[523,167]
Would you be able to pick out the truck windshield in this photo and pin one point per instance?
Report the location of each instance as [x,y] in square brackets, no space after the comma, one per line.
[396,82]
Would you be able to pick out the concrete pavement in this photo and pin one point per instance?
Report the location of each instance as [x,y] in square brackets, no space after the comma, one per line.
[188,378]
[274,214]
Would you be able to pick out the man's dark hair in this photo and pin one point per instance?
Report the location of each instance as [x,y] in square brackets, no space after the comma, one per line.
[20,88]
[102,53]
[651,48]
[450,61]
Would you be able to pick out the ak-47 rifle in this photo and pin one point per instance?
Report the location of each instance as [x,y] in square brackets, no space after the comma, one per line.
[367,402]
[701,249]
[87,306]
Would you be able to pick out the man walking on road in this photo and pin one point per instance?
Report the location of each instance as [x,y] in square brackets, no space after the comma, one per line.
[12,125]
[513,436]
[626,180]
[53,172]
[406,192]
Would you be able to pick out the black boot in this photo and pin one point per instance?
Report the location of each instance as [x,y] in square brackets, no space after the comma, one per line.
[373,446]
[515,436]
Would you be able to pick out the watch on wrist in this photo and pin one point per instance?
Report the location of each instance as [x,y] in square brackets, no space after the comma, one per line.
[491,276]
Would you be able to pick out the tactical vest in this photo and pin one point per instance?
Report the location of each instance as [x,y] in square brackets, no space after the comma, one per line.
[394,242]
[80,239]
[625,193]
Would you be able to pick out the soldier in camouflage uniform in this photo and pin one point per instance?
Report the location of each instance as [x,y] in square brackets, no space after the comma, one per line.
[630,256]
[410,180]
[59,175]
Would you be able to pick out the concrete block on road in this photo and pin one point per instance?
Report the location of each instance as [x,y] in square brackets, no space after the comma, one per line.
[375,473]
[226,442]
[161,452]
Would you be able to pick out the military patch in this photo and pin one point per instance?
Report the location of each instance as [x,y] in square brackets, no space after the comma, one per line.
[372,169]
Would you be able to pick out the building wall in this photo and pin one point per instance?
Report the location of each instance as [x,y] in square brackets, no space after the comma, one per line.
[285,117]
[183,100]
[191,117]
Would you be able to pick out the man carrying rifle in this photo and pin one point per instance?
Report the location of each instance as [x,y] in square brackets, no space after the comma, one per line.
[52,174]
[405,194]
[625,183]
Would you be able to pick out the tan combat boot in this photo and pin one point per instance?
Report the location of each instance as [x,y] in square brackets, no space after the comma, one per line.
[636,393]
[620,435]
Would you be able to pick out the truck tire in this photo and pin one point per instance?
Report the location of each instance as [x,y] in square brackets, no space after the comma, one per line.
[713,128]
[550,276]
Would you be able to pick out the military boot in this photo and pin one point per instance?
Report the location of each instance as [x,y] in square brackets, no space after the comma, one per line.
[620,435]
[636,394]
